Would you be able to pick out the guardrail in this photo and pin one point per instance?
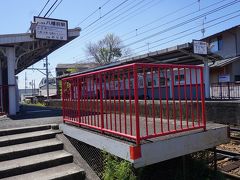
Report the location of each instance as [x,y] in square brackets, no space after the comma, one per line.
[136,101]
[228,90]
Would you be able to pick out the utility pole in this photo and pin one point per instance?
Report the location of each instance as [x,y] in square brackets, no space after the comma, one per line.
[47,82]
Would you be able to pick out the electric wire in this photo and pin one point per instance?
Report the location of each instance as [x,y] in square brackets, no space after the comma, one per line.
[179,33]
[186,22]
[174,20]
[158,19]
[55,8]
[185,35]
[43,7]
[100,7]
[208,22]
[114,17]
[119,5]
[50,8]
[119,20]
[195,17]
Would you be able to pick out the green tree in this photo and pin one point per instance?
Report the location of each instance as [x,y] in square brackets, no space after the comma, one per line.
[107,50]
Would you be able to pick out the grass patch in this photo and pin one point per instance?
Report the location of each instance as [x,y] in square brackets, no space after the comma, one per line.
[117,169]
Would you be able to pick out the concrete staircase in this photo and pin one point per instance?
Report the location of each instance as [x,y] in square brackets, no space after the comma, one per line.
[33,153]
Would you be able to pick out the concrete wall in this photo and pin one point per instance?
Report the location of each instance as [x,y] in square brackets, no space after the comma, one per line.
[226,112]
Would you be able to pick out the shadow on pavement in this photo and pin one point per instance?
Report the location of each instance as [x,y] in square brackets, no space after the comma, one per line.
[33,112]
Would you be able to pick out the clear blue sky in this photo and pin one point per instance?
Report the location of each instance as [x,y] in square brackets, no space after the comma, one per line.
[155,23]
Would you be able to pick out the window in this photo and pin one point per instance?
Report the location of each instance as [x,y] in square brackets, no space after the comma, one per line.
[216,44]
[237,78]
[149,83]
[181,79]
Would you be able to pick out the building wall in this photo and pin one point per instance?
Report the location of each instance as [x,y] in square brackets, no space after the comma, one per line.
[229,45]
[235,66]
[238,40]
[230,42]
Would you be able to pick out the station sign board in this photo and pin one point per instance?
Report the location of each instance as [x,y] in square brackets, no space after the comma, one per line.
[52,29]
[199,47]
[224,78]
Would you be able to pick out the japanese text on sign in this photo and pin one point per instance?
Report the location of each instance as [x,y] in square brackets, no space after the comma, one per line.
[51,29]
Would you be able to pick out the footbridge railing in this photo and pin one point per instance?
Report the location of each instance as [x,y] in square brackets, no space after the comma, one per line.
[136,101]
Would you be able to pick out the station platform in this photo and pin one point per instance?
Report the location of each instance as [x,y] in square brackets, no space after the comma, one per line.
[156,149]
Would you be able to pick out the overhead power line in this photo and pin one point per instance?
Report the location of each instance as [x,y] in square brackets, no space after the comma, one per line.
[105,14]
[43,7]
[51,8]
[55,8]
[186,22]
[161,18]
[190,29]
[119,19]
[171,21]
[185,35]
[118,15]
[100,7]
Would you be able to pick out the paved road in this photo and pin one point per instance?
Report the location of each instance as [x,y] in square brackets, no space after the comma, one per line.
[32,115]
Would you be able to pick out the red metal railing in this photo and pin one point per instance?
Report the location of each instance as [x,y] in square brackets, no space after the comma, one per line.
[228,90]
[136,101]
[3,99]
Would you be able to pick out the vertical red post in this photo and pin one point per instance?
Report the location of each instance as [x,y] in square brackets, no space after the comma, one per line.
[191,96]
[145,99]
[197,114]
[179,99]
[167,108]
[135,76]
[185,96]
[110,97]
[101,102]
[160,99]
[153,106]
[173,98]
[63,99]
[105,97]
[124,103]
[119,101]
[203,99]
[130,100]
[78,98]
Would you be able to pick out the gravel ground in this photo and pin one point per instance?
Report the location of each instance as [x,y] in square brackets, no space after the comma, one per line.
[31,116]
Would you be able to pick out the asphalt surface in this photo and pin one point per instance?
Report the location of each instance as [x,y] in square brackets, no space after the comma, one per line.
[30,116]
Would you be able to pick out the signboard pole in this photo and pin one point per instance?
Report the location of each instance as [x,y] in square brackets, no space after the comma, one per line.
[47,80]
[206,79]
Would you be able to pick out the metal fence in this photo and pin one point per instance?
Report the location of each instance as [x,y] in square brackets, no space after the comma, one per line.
[136,101]
[228,90]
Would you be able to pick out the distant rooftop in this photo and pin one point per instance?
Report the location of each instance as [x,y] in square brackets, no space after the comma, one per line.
[224,62]
[77,65]
[216,34]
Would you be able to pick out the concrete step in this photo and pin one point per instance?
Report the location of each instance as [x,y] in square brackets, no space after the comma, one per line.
[28,149]
[67,172]
[34,163]
[19,130]
[27,137]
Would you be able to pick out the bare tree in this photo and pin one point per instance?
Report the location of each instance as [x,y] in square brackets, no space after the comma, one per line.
[107,50]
